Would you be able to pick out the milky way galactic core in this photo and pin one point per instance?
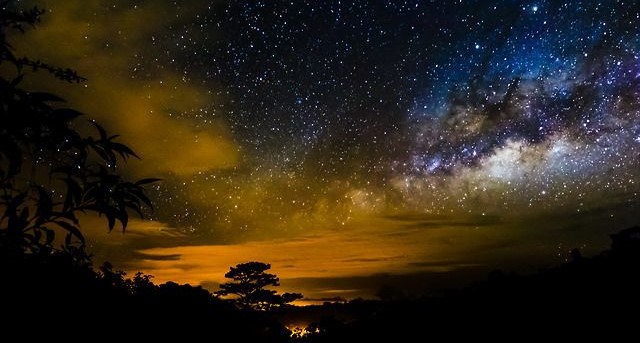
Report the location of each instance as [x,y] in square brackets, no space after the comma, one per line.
[418,106]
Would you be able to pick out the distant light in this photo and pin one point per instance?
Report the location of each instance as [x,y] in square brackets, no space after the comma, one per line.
[477,46]
[534,8]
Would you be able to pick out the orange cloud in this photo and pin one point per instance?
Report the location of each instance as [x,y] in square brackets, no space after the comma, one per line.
[154,112]
[360,249]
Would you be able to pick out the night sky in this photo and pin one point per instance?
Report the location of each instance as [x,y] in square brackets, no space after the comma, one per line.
[353,144]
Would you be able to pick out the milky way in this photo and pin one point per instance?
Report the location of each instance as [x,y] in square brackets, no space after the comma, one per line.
[468,106]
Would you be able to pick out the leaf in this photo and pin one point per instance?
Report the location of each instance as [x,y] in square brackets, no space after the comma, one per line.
[14,154]
[123,150]
[146,200]
[100,150]
[138,193]
[111,219]
[24,215]
[17,201]
[44,205]
[135,206]
[101,130]
[66,114]
[72,229]
[27,238]
[146,181]
[37,234]
[124,219]
[51,235]
[74,194]
[67,215]
[45,97]
[67,239]
[18,79]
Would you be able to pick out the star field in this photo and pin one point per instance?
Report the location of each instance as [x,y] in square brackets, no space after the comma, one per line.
[473,106]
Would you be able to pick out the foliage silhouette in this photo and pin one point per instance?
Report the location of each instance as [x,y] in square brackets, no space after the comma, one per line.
[587,295]
[390,293]
[50,171]
[250,280]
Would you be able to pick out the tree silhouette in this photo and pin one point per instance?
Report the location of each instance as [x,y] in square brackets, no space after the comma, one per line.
[250,280]
[390,293]
[50,171]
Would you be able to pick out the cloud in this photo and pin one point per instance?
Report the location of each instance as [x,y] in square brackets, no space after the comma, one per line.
[120,247]
[360,249]
[95,228]
[153,107]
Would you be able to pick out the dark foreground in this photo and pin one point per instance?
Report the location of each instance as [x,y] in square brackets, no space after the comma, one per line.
[53,299]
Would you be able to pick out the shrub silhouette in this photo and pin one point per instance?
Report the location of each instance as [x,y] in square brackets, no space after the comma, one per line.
[50,171]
